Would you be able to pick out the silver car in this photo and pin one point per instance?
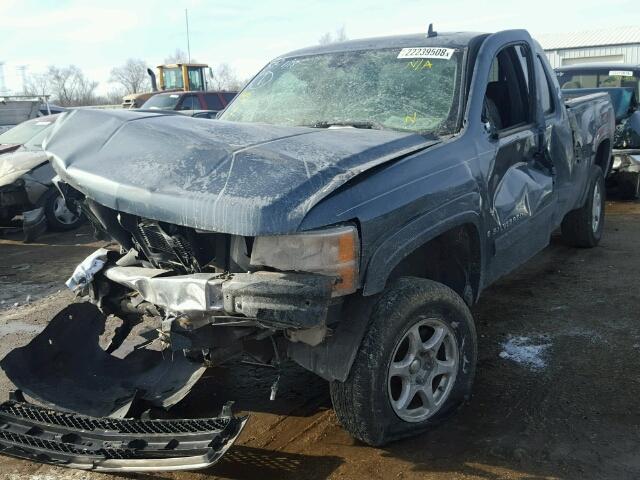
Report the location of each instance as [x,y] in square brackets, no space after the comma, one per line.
[27,194]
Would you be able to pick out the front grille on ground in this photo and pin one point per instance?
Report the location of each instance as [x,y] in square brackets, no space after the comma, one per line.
[107,444]
[53,417]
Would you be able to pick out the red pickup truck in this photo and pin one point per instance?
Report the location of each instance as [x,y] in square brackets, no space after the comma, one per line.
[194,104]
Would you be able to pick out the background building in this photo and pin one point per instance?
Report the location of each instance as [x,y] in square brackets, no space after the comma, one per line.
[619,45]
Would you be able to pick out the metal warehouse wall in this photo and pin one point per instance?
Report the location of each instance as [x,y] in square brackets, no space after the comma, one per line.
[571,56]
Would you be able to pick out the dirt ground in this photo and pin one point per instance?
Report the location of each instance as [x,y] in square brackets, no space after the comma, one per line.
[556,394]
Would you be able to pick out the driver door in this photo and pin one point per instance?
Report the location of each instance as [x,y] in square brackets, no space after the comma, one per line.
[520,186]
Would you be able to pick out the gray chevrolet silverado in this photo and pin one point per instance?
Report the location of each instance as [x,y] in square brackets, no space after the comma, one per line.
[344,212]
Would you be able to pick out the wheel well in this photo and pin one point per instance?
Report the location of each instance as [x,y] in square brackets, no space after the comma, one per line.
[453,259]
[602,156]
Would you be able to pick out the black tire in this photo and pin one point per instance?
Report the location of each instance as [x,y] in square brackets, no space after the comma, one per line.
[363,402]
[629,185]
[577,225]
[53,222]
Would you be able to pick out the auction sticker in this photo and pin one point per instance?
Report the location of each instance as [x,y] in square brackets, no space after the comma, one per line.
[620,73]
[426,52]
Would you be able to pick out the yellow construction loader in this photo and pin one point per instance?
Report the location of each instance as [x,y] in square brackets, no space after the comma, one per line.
[175,77]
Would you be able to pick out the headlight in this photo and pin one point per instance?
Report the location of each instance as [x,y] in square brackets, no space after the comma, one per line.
[617,163]
[333,252]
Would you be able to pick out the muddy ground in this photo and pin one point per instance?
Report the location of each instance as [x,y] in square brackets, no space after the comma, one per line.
[568,410]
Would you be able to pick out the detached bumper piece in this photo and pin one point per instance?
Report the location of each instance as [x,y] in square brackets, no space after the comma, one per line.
[34,224]
[107,444]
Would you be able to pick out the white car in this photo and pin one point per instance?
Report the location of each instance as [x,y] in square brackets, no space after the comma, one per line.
[26,189]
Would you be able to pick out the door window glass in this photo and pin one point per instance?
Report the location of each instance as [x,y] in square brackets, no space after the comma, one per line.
[545,90]
[172,78]
[213,101]
[507,101]
[190,102]
[196,82]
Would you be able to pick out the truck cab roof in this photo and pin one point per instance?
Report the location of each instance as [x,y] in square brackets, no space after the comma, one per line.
[602,65]
[444,39]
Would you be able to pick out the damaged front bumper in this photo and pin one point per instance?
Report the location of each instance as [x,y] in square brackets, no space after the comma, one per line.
[145,338]
[626,160]
[281,300]
[114,445]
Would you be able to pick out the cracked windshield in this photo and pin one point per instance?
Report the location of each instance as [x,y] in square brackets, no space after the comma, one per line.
[364,89]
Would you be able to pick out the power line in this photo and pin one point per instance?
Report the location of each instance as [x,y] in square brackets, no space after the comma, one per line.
[22,69]
[186,18]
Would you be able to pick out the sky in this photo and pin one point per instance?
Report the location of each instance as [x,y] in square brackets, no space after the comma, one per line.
[98,35]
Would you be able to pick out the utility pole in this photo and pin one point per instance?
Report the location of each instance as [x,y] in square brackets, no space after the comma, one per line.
[3,86]
[186,18]
[23,76]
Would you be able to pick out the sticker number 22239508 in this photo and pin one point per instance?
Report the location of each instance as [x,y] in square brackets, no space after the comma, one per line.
[426,52]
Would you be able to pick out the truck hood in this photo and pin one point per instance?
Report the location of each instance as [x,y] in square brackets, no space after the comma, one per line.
[14,165]
[239,178]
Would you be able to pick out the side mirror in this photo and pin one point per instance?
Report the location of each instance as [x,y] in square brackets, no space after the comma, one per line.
[210,72]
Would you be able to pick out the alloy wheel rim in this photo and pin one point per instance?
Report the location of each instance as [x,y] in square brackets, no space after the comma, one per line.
[62,212]
[422,370]
[596,209]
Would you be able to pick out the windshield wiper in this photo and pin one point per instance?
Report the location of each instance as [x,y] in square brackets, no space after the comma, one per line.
[354,124]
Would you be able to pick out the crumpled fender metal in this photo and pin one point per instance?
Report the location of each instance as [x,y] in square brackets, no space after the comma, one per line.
[332,359]
[15,165]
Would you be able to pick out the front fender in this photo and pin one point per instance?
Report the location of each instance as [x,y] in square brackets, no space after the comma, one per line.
[460,211]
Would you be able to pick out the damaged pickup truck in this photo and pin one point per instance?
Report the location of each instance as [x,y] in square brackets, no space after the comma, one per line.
[622,83]
[345,211]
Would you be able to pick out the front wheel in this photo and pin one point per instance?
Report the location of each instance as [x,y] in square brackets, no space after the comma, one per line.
[59,216]
[583,227]
[415,366]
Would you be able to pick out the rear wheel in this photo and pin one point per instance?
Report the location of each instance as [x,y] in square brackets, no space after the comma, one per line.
[583,227]
[415,365]
[59,216]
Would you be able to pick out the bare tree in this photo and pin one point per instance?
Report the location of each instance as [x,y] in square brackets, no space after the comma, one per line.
[132,76]
[112,97]
[340,35]
[225,78]
[70,87]
[179,56]
[36,84]
[67,86]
